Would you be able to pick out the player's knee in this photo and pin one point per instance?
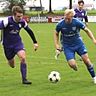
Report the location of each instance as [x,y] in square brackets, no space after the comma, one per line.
[22,59]
[73,66]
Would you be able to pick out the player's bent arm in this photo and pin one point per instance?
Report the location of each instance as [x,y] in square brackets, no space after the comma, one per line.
[90,34]
[86,18]
[86,23]
[56,40]
[31,34]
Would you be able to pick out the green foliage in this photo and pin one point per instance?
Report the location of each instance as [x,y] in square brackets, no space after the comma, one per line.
[41,62]
[20,3]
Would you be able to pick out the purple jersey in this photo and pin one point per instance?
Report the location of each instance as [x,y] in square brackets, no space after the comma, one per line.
[81,14]
[11,31]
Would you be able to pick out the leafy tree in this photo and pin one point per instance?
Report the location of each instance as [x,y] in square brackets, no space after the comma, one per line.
[12,3]
[41,8]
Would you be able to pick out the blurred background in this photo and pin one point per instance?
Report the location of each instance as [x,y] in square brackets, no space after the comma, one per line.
[46,10]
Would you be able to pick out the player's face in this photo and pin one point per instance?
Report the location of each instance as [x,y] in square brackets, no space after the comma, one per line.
[18,16]
[68,18]
[81,5]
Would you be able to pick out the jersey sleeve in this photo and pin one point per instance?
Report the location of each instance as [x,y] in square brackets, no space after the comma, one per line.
[58,27]
[75,13]
[80,24]
[86,17]
[3,23]
[31,34]
[25,24]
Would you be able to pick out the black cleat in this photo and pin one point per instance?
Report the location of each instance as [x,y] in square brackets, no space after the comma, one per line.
[26,82]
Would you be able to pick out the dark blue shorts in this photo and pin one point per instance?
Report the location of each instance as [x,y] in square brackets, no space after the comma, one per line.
[11,51]
[70,51]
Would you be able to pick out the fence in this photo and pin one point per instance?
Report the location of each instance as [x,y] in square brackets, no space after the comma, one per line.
[52,19]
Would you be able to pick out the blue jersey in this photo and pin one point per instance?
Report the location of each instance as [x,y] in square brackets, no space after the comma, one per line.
[70,32]
[81,14]
[11,30]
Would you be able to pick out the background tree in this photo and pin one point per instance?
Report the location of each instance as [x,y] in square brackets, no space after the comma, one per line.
[12,3]
[70,4]
[41,6]
[50,7]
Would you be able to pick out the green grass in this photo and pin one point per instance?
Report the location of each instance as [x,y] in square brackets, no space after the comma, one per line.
[41,62]
[55,13]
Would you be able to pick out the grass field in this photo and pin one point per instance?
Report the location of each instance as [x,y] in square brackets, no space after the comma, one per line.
[41,62]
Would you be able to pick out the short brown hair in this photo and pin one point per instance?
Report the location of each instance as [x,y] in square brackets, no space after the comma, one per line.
[80,1]
[16,9]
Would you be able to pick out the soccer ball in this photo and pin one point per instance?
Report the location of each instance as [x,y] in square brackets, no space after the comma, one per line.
[54,76]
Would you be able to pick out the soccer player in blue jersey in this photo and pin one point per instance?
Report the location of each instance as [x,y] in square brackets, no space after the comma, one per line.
[12,41]
[80,12]
[72,41]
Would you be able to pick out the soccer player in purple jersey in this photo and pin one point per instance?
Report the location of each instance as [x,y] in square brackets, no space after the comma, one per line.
[12,41]
[80,12]
[70,27]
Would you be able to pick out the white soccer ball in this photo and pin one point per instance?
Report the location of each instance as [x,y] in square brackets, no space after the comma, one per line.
[54,76]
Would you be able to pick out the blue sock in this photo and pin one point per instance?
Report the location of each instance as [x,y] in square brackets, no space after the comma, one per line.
[23,71]
[91,71]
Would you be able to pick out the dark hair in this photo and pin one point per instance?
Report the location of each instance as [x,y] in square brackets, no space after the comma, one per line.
[80,1]
[16,9]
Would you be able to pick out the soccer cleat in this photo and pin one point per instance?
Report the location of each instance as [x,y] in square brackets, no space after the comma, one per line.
[94,79]
[26,82]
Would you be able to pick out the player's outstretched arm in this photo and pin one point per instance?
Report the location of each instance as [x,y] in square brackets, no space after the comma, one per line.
[90,34]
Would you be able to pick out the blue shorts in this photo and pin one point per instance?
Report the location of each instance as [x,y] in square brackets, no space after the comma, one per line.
[70,51]
[11,51]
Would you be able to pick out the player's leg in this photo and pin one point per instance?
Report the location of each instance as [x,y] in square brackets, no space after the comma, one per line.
[70,56]
[83,53]
[23,66]
[89,66]
[72,64]
[11,63]
[9,53]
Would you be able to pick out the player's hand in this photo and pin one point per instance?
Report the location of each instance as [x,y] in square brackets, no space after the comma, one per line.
[94,41]
[57,46]
[35,46]
[60,50]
